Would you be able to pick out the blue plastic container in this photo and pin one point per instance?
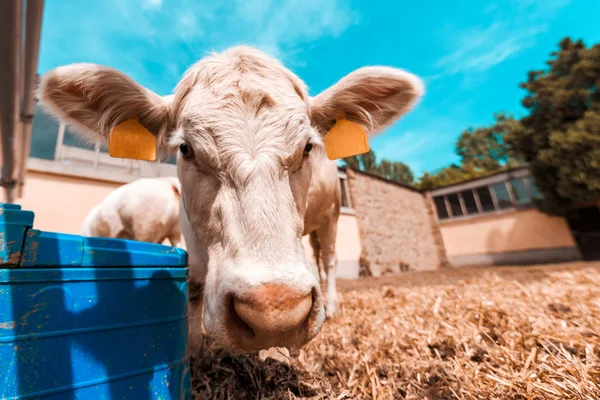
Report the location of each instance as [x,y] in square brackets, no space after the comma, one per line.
[90,318]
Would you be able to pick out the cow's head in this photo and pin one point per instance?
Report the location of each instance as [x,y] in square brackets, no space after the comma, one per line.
[247,132]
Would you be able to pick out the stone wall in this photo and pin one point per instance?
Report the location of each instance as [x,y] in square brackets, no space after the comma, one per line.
[397,229]
[436,232]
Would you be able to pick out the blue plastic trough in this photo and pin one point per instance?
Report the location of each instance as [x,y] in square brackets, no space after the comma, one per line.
[90,318]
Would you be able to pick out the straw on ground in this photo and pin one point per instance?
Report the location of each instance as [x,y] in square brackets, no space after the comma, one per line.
[493,333]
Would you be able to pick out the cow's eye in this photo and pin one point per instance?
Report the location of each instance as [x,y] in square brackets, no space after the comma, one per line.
[186,150]
[308,147]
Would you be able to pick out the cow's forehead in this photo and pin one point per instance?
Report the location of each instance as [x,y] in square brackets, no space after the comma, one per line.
[242,109]
[241,74]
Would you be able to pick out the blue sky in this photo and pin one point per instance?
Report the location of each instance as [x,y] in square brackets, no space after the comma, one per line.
[471,54]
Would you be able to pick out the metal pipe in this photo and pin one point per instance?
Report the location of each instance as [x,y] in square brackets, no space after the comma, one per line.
[59,141]
[33,28]
[10,51]
[96,154]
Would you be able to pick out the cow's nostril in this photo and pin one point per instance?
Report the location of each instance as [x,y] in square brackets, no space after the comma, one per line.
[275,318]
[238,322]
[272,314]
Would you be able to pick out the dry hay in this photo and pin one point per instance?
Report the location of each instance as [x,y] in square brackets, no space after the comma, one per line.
[503,333]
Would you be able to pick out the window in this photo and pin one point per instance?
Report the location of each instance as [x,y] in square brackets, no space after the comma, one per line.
[52,140]
[470,203]
[520,191]
[43,135]
[485,198]
[172,160]
[501,192]
[502,195]
[345,202]
[440,206]
[533,189]
[72,139]
[455,205]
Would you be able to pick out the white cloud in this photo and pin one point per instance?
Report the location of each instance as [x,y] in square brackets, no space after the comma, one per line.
[409,144]
[481,49]
[275,26]
[414,148]
[154,41]
[278,26]
[515,28]
[153,3]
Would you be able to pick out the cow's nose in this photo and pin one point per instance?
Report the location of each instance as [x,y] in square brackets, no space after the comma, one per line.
[272,315]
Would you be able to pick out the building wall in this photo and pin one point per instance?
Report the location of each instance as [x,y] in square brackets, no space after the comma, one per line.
[396,226]
[516,237]
[436,233]
[61,202]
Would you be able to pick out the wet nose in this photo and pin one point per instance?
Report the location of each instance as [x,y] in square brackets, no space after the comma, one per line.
[272,315]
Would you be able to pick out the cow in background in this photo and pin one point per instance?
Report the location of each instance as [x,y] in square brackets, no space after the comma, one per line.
[146,210]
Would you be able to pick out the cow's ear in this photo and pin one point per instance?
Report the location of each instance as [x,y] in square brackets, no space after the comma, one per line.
[93,99]
[374,97]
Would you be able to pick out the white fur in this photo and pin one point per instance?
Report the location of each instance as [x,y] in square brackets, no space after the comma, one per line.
[246,119]
[146,210]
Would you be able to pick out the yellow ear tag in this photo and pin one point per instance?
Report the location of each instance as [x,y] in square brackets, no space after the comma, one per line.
[130,139]
[346,139]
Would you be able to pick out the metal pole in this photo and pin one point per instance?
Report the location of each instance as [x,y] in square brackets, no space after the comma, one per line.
[10,51]
[59,140]
[33,28]
[96,154]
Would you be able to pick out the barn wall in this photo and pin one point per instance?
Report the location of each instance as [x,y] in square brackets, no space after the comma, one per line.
[396,226]
[61,202]
[519,237]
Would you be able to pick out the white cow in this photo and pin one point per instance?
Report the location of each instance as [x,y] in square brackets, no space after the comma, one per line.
[146,210]
[248,132]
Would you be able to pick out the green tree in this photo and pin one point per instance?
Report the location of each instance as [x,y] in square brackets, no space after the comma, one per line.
[362,162]
[560,138]
[449,175]
[485,149]
[368,161]
[428,181]
[352,163]
[392,170]
[396,171]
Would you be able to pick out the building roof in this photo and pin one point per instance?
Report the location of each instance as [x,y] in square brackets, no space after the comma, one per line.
[489,179]
[381,178]
[469,182]
[484,177]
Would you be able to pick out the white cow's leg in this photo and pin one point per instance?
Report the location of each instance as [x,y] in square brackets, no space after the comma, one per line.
[327,236]
[177,239]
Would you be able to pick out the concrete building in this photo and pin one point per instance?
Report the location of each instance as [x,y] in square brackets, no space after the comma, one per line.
[385,227]
[493,221]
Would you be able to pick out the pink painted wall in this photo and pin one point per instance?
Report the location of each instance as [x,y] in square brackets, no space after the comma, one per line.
[511,231]
[60,202]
